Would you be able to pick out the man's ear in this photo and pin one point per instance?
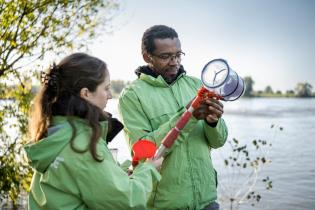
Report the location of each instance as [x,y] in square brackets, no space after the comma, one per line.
[84,93]
[146,57]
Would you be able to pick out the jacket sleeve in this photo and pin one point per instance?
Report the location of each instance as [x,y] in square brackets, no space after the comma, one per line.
[104,185]
[216,136]
[137,124]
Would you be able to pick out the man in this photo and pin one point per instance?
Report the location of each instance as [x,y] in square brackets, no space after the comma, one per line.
[151,105]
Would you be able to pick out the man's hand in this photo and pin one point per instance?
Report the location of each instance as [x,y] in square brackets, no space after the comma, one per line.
[216,110]
[210,110]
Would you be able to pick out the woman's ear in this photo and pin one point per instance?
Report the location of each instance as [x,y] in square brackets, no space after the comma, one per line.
[84,93]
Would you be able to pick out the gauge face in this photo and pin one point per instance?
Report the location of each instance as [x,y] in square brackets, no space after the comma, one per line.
[215,73]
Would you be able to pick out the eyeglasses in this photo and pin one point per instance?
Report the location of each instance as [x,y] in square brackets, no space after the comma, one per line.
[166,57]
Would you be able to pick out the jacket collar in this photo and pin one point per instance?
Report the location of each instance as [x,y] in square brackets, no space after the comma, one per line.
[146,74]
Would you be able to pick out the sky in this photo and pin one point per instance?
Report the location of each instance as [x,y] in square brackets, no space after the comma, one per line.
[273,41]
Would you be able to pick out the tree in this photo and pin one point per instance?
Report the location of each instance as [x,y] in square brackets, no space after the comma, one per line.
[268,90]
[290,92]
[28,31]
[303,90]
[278,92]
[249,83]
[117,86]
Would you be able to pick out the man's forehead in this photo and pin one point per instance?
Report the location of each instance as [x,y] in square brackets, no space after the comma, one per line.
[167,45]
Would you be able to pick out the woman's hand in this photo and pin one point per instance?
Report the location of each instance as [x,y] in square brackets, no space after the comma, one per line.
[157,163]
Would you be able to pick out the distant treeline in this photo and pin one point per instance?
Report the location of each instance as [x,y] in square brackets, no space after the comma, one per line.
[300,90]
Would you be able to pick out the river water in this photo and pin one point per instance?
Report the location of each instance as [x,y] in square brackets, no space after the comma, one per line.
[292,154]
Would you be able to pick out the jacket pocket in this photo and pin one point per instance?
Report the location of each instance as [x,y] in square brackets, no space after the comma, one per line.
[157,120]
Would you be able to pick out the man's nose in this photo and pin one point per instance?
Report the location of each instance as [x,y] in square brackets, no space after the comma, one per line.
[174,61]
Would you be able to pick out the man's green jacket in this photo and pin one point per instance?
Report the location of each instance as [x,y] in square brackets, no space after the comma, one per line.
[65,179]
[149,108]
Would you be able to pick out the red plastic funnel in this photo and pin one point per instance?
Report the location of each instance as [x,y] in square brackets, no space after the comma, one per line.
[143,149]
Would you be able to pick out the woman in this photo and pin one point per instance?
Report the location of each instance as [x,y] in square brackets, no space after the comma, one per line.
[73,167]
